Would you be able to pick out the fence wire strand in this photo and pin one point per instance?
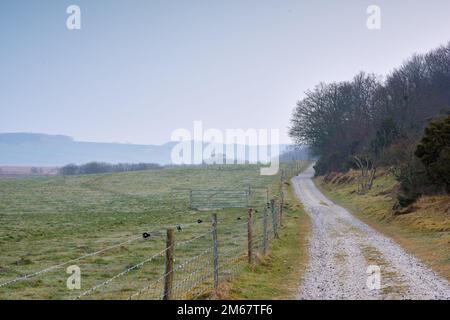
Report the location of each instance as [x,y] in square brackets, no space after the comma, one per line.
[194,275]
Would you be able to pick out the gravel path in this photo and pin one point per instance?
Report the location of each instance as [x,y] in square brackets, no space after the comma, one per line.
[342,248]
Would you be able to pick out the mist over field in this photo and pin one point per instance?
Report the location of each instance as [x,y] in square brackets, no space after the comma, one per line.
[28,149]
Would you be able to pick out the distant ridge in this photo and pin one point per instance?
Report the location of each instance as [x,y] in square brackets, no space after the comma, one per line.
[36,149]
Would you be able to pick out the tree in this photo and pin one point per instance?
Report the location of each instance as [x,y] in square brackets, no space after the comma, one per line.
[336,121]
[363,122]
[69,170]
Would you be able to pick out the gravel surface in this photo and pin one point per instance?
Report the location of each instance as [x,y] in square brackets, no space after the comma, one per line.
[342,248]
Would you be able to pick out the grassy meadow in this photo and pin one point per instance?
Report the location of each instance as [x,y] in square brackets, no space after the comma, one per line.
[49,220]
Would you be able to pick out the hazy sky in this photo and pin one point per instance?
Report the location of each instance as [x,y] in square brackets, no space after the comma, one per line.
[137,70]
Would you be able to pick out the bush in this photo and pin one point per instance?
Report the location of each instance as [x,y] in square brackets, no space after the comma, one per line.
[333,163]
[412,178]
[69,170]
[427,170]
[434,152]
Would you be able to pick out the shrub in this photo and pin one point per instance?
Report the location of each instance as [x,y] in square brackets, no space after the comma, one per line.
[434,152]
[69,170]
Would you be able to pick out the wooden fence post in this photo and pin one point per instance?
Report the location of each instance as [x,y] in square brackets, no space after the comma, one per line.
[265,231]
[281,197]
[250,235]
[274,218]
[281,206]
[168,274]
[216,252]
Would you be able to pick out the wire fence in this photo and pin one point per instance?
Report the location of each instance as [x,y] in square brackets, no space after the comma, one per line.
[188,267]
[218,261]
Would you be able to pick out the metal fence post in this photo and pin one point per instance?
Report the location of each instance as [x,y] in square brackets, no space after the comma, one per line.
[274,218]
[216,252]
[168,274]
[265,231]
[250,235]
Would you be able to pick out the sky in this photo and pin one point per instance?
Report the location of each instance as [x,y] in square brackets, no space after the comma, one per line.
[138,70]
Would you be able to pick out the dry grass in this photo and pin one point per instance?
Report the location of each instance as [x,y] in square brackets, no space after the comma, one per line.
[422,229]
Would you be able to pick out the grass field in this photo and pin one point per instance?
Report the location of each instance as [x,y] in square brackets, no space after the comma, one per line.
[423,229]
[46,221]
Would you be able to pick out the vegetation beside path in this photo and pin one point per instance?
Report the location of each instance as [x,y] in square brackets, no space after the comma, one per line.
[422,229]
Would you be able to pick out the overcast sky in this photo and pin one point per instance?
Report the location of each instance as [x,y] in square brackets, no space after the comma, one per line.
[137,70]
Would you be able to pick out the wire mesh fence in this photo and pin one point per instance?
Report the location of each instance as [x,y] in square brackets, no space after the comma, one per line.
[200,263]
[218,199]
[210,253]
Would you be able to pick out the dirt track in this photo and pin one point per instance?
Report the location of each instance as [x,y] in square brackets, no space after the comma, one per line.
[341,249]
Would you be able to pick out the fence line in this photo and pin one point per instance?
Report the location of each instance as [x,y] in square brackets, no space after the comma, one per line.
[201,276]
[138,265]
[104,283]
[198,274]
[67,262]
[91,254]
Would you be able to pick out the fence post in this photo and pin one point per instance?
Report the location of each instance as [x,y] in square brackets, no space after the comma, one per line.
[265,235]
[250,235]
[281,197]
[281,205]
[216,252]
[168,274]
[274,218]
[190,199]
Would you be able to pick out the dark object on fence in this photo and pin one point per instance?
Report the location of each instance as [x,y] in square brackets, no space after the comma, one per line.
[215,252]
[238,218]
[274,218]
[265,233]
[168,274]
[199,221]
[146,235]
[179,228]
[250,235]
[149,234]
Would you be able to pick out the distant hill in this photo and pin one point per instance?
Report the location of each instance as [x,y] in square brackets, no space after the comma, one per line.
[33,149]
[29,149]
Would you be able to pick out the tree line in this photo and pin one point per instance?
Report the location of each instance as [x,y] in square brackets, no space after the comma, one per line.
[103,167]
[400,121]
